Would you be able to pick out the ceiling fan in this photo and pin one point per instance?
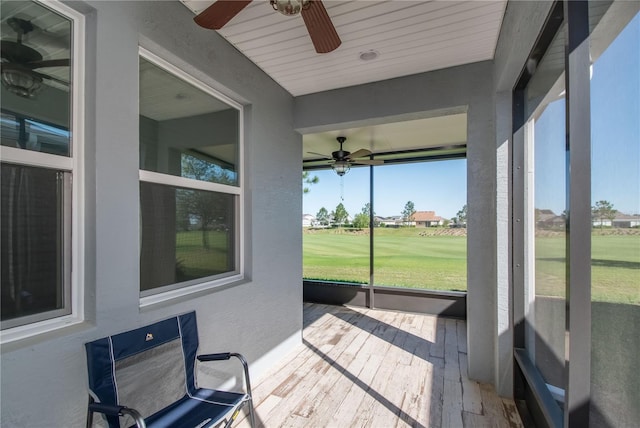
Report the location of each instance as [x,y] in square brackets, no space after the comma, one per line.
[20,62]
[321,30]
[342,159]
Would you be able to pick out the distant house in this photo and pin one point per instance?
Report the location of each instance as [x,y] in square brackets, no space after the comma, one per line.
[625,220]
[393,221]
[426,219]
[308,220]
[547,219]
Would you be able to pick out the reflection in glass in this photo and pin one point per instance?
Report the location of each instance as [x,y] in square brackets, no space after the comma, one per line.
[186,234]
[546,156]
[36,78]
[615,239]
[185,131]
[421,241]
[32,237]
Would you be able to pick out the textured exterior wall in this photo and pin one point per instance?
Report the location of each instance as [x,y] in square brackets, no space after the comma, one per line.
[465,88]
[520,28]
[44,378]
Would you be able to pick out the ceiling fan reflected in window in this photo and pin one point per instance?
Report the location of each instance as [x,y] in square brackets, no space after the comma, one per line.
[20,62]
[341,160]
[321,30]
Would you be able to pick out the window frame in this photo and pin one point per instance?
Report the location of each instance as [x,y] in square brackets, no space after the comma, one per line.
[74,267]
[180,289]
[528,382]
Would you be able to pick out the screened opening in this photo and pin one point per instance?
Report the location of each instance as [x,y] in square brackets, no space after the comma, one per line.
[397,221]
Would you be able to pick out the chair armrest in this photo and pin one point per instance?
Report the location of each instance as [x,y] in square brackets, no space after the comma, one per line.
[117,410]
[225,356]
[214,357]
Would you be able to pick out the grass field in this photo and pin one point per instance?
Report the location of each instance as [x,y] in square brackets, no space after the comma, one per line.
[194,260]
[405,258]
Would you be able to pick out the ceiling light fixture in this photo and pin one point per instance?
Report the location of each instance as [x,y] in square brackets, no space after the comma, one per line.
[21,83]
[369,55]
[341,167]
[289,7]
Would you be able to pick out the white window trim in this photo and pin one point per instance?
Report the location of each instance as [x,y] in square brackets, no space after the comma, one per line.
[206,283]
[189,183]
[76,166]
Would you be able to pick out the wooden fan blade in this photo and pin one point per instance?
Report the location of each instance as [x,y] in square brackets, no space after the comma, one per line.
[219,13]
[321,155]
[49,63]
[55,79]
[321,30]
[359,153]
[368,162]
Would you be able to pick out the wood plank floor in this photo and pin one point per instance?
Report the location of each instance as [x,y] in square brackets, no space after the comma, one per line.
[359,367]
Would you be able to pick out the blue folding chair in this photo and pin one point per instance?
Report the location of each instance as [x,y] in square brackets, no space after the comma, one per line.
[146,377]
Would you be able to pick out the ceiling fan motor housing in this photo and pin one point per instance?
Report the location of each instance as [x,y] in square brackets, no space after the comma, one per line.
[340,154]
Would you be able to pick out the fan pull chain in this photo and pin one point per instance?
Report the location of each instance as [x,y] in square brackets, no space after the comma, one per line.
[342,188]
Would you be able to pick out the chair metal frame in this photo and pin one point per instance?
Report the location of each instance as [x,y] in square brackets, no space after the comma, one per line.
[102,355]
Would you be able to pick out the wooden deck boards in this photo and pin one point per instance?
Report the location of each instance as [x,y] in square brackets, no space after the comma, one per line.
[359,367]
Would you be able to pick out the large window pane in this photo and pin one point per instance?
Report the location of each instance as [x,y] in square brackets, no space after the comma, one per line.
[334,249]
[615,240]
[33,236]
[185,131]
[420,238]
[38,192]
[186,235]
[190,190]
[546,207]
[36,77]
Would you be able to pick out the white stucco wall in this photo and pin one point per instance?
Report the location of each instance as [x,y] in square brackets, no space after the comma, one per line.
[43,382]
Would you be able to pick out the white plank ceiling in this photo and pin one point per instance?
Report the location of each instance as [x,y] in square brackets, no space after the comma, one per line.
[409,36]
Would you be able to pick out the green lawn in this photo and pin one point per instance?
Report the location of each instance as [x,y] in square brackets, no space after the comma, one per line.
[194,260]
[403,258]
[437,261]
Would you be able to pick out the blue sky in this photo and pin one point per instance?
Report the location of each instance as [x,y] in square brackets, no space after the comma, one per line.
[615,125]
[441,186]
[615,132]
[431,186]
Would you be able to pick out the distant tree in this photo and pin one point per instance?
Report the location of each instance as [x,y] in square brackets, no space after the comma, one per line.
[307,179]
[461,216]
[408,212]
[207,208]
[367,209]
[340,215]
[603,210]
[361,220]
[323,216]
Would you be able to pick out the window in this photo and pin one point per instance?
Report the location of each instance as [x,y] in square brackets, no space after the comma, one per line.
[615,201]
[418,237]
[422,239]
[41,187]
[576,158]
[546,160]
[190,186]
[333,248]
